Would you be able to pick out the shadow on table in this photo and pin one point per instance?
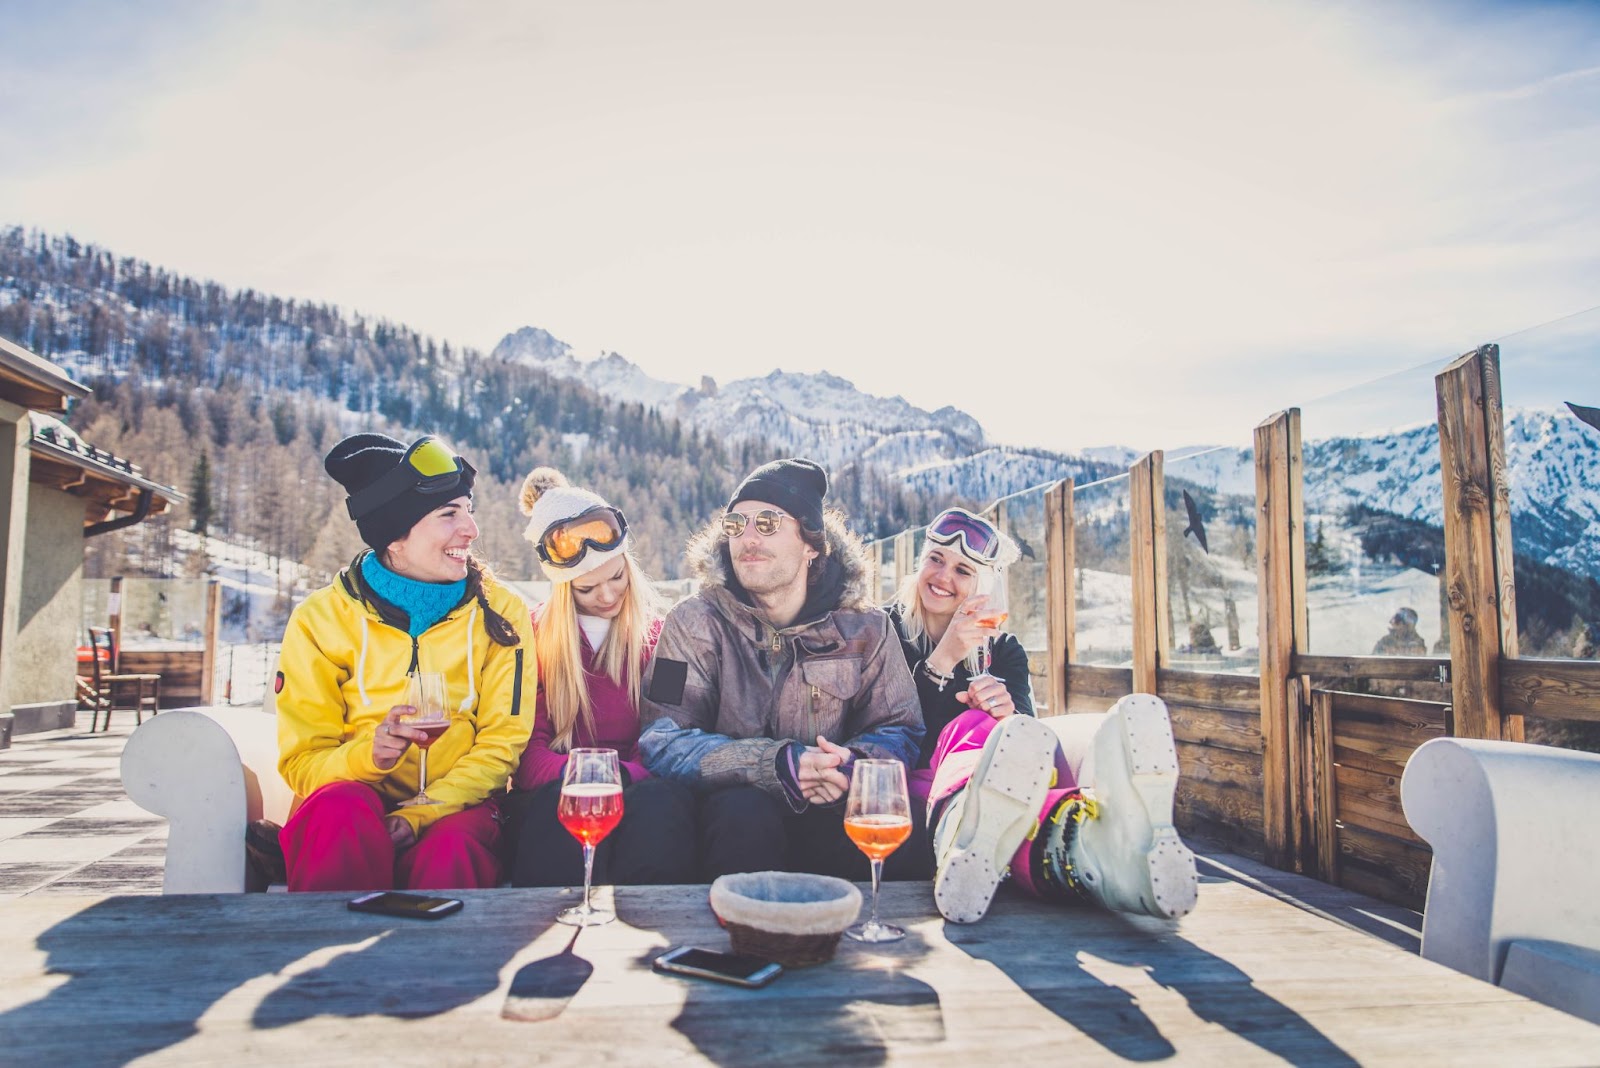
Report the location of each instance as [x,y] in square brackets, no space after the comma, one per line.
[393,972]
[824,1014]
[126,991]
[1216,991]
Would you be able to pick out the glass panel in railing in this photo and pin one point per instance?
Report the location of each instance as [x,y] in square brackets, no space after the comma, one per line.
[163,613]
[1102,574]
[883,554]
[889,577]
[1374,533]
[96,606]
[1550,389]
[1028,585]
[1212,585]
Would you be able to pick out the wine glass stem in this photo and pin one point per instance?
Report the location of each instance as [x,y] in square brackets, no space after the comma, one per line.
[877,874]
[588,875]
[422,774]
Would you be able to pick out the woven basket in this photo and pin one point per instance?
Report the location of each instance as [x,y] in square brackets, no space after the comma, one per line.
[790,917]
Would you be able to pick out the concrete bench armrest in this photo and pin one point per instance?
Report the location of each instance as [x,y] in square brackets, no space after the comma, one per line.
[1516,848]
[209,774]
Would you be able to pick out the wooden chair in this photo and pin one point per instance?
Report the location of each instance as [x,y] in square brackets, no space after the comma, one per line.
[107,690]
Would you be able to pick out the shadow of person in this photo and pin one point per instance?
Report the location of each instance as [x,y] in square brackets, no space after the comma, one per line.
[377,976]
[144,991]
[829,1013]
[1101,1006]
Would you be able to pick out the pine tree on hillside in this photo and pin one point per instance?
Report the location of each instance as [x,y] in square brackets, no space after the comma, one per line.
[261,386]
[200,495]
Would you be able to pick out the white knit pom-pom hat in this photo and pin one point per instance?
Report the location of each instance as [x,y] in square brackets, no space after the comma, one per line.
[548,499]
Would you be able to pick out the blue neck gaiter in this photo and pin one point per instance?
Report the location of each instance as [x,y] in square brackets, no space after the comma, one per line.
[424,602]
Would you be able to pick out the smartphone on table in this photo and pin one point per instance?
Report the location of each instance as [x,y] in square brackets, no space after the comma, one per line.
[411,906]
[723,967]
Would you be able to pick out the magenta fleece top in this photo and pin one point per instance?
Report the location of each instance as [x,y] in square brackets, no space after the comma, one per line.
[616,725]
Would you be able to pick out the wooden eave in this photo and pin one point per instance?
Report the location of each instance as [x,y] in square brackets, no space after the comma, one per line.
[106,489]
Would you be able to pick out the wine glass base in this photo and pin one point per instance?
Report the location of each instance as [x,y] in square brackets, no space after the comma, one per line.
[420,799]
[875,932]
[578,916]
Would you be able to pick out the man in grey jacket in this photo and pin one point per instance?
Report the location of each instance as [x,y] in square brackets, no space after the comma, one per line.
[773,678]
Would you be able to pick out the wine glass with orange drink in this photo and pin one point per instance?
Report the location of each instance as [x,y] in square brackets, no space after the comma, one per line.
[994,613]
[426,697]
[590,808]
[877,817]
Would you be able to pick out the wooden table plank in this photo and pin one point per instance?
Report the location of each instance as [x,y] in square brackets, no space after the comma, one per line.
[1250,977]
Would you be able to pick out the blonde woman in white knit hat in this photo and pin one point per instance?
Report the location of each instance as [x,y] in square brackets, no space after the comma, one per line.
[593,638]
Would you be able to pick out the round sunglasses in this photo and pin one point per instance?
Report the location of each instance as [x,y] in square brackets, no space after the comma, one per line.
[767,522]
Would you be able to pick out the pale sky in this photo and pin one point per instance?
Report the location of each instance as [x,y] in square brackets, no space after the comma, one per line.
[1149,224]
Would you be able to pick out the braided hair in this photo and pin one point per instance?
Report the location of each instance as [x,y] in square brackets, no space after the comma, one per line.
[501,631]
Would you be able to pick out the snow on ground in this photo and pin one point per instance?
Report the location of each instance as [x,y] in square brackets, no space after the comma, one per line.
[1349,613]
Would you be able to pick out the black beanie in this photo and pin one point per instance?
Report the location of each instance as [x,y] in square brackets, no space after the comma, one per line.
[360,460]
[795,485]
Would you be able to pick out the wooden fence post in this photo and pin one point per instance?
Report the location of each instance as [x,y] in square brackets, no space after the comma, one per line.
[114,611]
[903,564]
[1147,537]
[1479,583]
[1061,601]
[1281,570]
[213,636]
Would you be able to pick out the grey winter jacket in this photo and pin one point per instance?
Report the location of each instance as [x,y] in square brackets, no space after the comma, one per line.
[726,692]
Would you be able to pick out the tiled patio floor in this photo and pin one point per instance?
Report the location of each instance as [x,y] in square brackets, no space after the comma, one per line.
[66,826]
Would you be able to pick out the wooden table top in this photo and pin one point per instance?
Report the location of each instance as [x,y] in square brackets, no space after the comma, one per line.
[298,980]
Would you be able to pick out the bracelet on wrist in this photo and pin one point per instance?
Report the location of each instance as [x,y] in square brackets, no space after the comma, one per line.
[932,673]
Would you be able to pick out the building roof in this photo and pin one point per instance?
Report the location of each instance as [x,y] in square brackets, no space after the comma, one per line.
[34,382]
[62,460]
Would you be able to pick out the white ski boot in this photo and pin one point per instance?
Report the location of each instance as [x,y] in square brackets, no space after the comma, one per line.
[1127,855]
[985,821]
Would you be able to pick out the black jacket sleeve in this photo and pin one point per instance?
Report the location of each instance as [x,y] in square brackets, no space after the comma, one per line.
[1009,661]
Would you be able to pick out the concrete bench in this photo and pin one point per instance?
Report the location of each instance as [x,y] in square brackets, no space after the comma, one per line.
[1514,895]
[210,772]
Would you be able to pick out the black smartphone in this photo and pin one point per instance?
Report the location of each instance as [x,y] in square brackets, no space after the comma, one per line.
[414,906]
[723,967]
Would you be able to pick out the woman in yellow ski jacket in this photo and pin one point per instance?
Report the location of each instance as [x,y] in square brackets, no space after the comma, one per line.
[416,601]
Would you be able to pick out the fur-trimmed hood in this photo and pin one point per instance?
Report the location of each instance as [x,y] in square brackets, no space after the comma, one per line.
[844,567]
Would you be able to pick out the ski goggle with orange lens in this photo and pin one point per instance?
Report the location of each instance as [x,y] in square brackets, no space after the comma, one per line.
[564,544]
[427,467]
[767,522]
[975,536]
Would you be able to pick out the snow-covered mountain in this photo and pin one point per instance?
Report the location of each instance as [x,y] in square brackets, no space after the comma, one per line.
[1553,460]
[823,416]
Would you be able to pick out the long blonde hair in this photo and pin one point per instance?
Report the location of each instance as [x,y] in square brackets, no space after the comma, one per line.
[558,643]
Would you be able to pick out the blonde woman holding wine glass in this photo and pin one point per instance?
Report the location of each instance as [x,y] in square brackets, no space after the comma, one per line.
[948,616]
[593,639]
[1000,796]
[415,613]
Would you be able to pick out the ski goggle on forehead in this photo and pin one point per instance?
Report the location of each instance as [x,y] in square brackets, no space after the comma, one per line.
[564,544]
[975,536]
[427,467]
